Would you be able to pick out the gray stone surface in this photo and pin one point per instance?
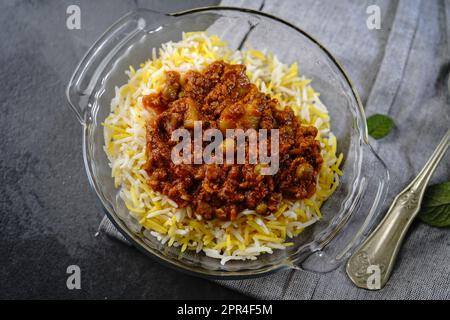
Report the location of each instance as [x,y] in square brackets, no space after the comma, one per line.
[48,214]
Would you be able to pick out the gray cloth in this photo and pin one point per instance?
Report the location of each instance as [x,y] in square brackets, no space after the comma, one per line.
[400,70]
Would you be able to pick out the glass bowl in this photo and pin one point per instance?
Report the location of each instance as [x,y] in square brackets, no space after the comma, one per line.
[348,215]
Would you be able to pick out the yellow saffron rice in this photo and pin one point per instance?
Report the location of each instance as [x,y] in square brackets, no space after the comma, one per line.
[125,142]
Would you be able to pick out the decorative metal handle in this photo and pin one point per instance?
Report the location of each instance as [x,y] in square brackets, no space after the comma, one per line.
[380,249]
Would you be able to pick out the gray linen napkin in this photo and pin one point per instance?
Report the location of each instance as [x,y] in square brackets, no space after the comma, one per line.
[400,70]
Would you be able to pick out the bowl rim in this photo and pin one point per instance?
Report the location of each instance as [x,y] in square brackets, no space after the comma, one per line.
[159,256]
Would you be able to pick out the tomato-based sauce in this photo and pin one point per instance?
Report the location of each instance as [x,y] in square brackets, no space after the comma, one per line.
[222,97]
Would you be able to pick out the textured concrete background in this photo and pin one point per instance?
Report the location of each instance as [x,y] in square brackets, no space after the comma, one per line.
[48,214]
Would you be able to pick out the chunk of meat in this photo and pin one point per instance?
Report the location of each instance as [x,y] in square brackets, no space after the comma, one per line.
[159,102]
[222,97]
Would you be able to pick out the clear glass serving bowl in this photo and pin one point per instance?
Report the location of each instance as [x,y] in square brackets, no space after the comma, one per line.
[347,216]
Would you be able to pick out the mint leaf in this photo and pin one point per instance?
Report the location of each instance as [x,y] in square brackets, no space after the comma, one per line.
[435,209]
[379,125]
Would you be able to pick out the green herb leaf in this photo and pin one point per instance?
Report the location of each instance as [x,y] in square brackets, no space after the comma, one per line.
[379,125]
[435,209]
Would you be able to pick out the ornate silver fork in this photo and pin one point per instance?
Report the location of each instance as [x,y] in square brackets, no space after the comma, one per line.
[380,249]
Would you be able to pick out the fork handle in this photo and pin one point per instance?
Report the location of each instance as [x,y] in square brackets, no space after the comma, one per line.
[378,252]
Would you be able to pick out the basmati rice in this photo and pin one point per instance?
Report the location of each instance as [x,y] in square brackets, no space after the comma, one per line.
[250,235]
